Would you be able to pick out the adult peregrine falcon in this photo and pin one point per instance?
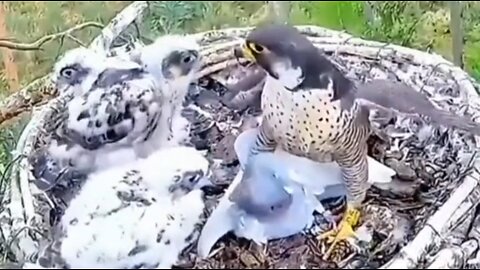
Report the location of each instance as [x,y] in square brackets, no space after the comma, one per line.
[311,109]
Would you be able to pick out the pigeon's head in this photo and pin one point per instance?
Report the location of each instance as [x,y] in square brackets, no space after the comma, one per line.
[172,59]
[262,191]
[175,171]
[77,70]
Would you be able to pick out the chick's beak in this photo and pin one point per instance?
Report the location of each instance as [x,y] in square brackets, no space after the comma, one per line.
[206,180]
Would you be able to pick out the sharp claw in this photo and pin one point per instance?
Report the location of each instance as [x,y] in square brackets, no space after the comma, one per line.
[344,231]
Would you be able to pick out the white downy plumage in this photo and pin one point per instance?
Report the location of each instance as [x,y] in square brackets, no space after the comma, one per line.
[140,215]
[117,110]
[173,60]
[307,182]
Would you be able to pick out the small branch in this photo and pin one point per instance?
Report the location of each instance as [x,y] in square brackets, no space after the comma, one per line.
[119,24]
[76,40]
[37,45]
[41,90]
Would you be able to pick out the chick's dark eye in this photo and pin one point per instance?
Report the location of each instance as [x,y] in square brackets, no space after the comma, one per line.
[67,72]
[187,59]
[192,178]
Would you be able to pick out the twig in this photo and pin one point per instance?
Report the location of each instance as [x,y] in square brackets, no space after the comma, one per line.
[76,40]
[37,45]
[410,255]
[41,90]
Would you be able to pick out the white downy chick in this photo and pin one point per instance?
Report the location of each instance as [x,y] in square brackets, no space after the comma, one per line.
[115,111]
[140,215]
[174,61]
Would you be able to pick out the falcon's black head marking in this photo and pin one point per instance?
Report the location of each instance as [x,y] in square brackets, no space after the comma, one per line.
[179,63]
[288,56]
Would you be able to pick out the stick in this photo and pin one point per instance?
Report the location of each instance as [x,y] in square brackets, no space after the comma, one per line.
[41,90]
[37,45]
[411,254]
[454,257]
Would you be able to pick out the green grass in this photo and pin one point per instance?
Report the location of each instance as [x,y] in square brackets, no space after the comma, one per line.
[29,21]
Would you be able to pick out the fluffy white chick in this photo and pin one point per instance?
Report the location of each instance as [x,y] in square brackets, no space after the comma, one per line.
[107,105]
[138,216]
[114,111]
[174,61]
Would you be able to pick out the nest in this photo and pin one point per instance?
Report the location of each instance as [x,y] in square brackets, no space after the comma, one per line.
[426,212]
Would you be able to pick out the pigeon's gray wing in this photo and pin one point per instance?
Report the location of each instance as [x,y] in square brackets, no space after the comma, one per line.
[259,194]
[124,105]
[388,95]
[260,199]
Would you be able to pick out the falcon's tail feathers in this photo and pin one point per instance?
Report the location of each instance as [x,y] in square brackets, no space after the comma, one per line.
[390,95]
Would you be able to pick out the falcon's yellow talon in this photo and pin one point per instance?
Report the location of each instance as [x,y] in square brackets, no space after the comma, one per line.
[344,230]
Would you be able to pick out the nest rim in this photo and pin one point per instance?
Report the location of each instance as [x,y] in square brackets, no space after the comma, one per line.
[216,47]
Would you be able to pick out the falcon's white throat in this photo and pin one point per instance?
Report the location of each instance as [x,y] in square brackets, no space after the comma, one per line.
[290,77]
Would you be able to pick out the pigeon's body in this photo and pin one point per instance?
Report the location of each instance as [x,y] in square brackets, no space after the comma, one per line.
[307,181]
[115,110]
[142,214]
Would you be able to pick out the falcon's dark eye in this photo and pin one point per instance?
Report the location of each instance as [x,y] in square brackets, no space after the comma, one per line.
[256,48]
[67,72]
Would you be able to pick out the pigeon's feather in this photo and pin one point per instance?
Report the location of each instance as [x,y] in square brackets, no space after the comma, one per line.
[305,180]
[140,215]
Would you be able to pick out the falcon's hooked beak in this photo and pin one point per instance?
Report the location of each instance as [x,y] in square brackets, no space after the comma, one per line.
[247,52]
[277,65]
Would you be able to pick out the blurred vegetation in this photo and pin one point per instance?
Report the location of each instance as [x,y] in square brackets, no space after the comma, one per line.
[423,25]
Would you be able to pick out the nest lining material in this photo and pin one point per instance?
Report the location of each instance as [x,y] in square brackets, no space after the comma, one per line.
[434,159]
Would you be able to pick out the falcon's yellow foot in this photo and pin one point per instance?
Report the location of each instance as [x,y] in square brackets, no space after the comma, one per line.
[344,230]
